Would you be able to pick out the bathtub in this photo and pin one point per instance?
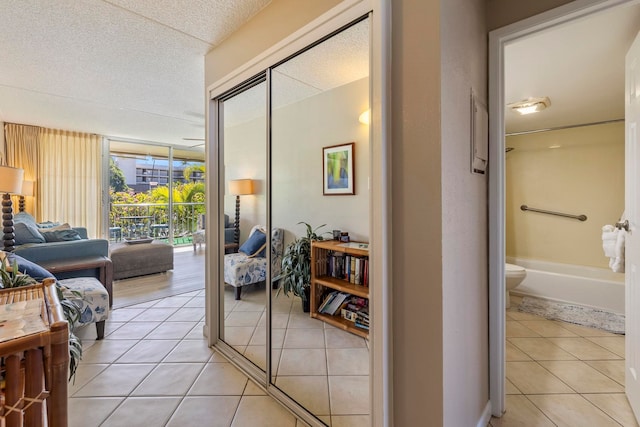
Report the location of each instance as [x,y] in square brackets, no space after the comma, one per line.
[589,286]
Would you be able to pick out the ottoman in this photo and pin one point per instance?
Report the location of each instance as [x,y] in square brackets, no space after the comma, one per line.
[92,298]
[139,259]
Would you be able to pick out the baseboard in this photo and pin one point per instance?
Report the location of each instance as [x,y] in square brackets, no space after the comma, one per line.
[486,416]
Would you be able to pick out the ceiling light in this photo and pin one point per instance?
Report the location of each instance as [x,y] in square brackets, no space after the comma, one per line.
[530,105]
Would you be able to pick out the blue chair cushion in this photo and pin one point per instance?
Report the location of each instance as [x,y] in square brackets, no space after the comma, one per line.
[255,245]
[29,268]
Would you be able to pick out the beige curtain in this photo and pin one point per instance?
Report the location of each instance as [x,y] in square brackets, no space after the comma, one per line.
[70,178]
[22,152]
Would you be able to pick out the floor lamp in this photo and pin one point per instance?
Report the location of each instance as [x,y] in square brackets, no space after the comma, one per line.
[239,187]
[10,183]
[27,191]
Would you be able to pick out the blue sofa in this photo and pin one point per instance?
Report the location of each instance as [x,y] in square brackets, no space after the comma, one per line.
[40,246]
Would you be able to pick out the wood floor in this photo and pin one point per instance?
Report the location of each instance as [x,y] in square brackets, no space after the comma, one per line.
[187,276]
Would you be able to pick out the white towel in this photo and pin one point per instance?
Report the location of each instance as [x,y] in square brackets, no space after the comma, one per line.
[617,263]
[609,237]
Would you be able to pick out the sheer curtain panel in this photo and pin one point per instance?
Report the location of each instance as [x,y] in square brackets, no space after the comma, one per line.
[22,152]
[70,178]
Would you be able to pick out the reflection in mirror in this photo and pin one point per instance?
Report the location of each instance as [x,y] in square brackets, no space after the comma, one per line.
[322,362]
[245,148]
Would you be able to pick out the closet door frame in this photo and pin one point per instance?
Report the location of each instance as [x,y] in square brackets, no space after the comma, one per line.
[381,352]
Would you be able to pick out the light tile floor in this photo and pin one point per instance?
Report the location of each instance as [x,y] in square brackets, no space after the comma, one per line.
[154,369]
[561,374]
[322,367]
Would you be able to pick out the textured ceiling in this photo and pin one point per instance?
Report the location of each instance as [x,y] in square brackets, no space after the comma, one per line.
[339,60]
[579,66]
[133,69]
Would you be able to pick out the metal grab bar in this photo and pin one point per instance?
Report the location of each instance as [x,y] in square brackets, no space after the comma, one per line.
[578,217]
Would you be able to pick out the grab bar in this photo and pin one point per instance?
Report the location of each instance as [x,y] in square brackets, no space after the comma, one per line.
[578,217]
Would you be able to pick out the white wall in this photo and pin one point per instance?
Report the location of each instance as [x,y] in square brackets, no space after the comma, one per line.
[299,132]
[583,175]
[464,217]
[245,157]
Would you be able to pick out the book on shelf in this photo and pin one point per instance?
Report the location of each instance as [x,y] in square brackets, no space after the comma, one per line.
[361,325]
[347,267]
[333,306]
[356,309]
[327,300]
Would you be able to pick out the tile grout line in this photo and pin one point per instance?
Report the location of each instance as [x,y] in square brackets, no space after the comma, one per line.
[578,359]
[114,362]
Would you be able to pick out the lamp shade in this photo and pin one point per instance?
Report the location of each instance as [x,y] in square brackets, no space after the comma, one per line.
[27,188]
[11,180]
[239,187]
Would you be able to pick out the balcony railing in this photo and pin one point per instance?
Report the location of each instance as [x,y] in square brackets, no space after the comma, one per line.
[135,220]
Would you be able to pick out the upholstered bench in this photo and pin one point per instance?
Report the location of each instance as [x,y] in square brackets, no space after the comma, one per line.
[91,297]
[139,259]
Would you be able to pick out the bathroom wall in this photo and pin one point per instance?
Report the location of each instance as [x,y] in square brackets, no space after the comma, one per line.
[583,174]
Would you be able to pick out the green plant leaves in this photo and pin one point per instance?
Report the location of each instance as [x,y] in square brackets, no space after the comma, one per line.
[296,263]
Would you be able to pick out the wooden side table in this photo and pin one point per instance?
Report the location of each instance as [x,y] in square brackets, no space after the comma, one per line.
[36,363]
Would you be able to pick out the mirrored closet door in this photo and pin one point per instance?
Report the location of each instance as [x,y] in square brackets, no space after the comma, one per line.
[301,137]
[319,175]
[243,123]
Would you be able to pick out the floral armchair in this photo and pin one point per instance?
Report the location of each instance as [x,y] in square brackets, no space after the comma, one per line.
[241,269]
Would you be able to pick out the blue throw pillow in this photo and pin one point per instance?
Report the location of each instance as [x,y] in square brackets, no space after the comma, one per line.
[47,224]
[60,235]
[27,233]
[29,268]
[24,217]
[255,244]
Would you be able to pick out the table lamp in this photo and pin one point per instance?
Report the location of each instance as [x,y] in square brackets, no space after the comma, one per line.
[27,190]
[10,183]
[239,187]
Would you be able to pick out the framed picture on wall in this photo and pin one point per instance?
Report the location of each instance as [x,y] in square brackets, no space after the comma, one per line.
[338,173]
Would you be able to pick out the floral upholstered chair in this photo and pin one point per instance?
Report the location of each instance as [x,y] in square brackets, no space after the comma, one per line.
[249,264]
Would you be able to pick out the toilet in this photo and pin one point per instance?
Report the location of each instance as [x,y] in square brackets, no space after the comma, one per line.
[514,275]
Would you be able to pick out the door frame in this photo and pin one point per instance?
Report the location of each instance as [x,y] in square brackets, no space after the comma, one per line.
[498,40]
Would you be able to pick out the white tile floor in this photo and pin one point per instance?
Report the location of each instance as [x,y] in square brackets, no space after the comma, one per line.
[324,368]
[561,374]
[154,369]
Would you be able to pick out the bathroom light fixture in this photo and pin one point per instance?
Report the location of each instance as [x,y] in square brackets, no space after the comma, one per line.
[365,117]
[530,105]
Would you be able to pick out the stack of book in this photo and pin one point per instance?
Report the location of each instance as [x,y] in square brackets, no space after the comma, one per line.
[356,310]
[351,268]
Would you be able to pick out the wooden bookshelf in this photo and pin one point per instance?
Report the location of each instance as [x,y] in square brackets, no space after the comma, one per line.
[321,281]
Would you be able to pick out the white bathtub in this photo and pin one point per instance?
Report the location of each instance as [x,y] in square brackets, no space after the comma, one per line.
[588,286]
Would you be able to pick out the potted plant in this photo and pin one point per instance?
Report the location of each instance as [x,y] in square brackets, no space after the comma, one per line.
[11,277]
[295,276]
